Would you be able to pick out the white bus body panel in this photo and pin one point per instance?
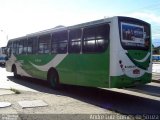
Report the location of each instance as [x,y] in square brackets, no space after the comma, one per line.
[117,54]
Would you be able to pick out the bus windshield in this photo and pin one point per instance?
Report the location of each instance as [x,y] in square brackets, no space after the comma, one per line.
[134,34]
[3,50]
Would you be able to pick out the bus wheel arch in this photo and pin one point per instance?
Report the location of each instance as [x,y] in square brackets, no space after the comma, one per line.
[53,78]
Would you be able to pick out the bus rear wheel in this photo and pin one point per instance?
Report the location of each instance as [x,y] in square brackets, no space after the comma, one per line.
[53,79]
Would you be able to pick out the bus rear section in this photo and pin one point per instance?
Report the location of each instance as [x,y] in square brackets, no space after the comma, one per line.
[131,64]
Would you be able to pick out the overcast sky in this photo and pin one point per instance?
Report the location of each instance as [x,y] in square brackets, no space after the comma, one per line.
[21,17]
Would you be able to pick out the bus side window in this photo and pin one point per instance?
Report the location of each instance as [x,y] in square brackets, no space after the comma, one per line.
[102,37]
[14,47]
[59,42]
[25,46]
[17,47]
[30,46]
[20,47]
[95,38]
[44,43]
[75,41]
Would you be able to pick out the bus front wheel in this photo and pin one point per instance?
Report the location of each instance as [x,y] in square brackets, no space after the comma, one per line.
[15,72]
[53,79]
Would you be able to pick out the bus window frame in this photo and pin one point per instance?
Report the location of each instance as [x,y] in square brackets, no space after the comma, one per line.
[20,41]
[94,38]
[75,39]
[34,40]
[14,47]
[56,42]
[47,45]
[25,46]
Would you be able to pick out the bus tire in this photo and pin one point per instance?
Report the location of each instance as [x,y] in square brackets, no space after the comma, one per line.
[14,69]
[53,79]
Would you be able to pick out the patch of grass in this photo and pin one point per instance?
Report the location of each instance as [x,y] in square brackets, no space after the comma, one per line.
[15,91]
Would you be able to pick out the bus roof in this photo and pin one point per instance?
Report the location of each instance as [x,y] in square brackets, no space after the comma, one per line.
[61,28]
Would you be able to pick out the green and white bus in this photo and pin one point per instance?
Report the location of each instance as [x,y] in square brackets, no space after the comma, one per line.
[111,53]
